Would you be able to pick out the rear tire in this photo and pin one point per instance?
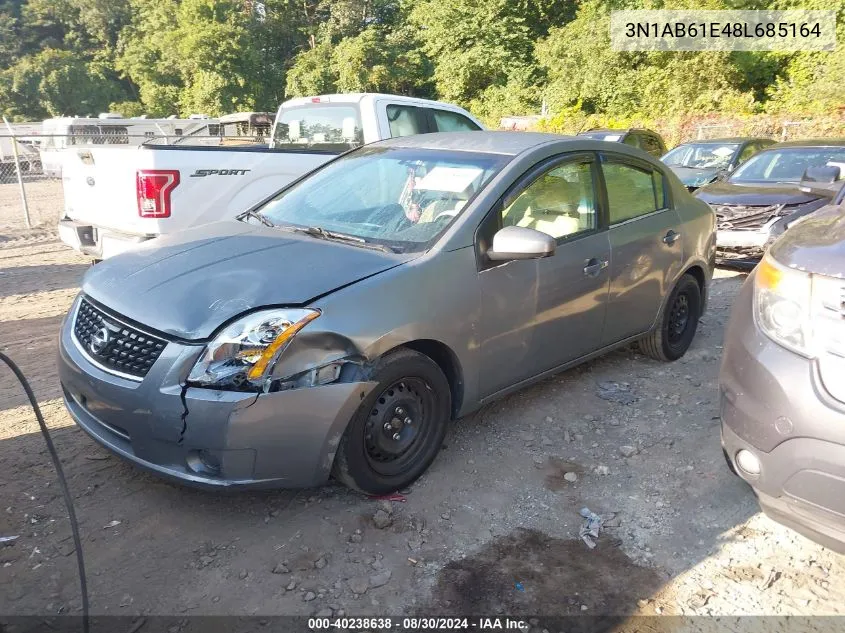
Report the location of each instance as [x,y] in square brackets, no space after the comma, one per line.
[672,337]
[397,431]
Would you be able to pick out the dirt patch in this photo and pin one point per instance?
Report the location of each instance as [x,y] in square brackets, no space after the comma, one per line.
[556,470]
[528,573]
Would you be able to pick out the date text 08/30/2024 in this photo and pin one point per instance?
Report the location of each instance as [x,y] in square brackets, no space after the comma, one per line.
[418,624]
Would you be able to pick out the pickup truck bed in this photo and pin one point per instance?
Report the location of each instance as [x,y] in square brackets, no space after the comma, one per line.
[203,184]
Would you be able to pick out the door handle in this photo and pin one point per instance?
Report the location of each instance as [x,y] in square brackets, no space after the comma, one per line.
[671,237]
[593,266]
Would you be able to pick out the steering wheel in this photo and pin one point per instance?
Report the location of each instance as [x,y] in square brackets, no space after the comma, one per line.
[394,216]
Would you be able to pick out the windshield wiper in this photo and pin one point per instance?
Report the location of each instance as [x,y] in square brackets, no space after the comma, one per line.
[256,215]
[320,232]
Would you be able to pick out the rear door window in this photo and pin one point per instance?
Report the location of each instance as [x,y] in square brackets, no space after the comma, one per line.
[632,190]
[406,120]
[326,127]
[446,121]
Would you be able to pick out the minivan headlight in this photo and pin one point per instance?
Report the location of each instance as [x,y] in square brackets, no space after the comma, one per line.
[244,352]
[799,310]
[782,304]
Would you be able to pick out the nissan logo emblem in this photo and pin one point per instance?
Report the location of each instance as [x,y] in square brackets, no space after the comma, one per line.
[100,340]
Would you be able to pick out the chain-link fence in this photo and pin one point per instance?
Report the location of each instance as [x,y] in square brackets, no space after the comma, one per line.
[28,197]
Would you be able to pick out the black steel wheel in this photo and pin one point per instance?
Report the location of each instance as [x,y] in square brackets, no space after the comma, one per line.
[399,427]
[672,337]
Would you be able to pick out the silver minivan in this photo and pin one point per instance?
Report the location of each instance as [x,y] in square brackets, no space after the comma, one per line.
[338,327]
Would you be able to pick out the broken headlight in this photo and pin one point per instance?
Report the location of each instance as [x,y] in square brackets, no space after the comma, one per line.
[243,354]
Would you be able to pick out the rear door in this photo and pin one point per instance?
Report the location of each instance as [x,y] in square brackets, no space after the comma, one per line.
[645,241]
[541,313]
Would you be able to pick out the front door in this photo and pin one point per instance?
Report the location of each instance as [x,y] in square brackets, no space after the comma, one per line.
[645,239]
[538,314]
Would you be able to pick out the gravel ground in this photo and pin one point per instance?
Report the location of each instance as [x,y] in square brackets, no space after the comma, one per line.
[492,527]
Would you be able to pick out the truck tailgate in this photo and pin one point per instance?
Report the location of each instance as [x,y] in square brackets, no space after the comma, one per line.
[99,188]
[210,183]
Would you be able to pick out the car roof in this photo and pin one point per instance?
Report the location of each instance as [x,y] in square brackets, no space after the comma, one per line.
[626,130]
[811,142]
[731,139]
[491,142]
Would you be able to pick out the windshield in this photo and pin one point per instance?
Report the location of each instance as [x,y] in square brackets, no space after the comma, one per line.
[788,165]
[702,155]
[399,197]
[326,127]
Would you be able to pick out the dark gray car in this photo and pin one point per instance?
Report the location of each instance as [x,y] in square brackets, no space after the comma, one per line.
[763,197]
[782,387]
[339,326]
[646,140]
[701,162]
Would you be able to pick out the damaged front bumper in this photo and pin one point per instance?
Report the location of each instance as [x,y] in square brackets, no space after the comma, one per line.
[204,437]
[744,233]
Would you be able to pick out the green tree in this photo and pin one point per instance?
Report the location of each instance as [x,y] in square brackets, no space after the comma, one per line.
[56,83]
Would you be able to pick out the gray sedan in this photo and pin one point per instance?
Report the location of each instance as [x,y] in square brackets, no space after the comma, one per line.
[339,326]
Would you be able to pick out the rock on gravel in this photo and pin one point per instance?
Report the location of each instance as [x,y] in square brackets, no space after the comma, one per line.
[309,596]
[358,585]
[381,519]
[281,568]
[571,477]
[380,579]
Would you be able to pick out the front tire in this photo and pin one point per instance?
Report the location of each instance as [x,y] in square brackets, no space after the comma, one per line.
[397,431]
[672,337]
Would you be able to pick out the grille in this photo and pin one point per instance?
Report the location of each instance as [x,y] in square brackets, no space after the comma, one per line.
[115,345]
[750,218]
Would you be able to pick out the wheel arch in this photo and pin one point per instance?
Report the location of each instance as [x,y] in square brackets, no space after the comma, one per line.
[447,361]
[701,277]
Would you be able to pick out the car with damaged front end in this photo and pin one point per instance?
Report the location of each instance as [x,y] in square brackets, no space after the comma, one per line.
[339,326]
[701,162]
[764,196]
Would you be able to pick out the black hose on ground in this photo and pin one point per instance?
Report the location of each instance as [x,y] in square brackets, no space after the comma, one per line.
[74,526]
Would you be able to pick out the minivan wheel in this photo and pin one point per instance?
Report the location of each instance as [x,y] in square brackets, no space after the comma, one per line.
[671,339]
[397,431]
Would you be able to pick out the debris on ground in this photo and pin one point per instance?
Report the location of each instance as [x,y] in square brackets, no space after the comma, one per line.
[590,528]
[628,451]
[619,392]
[393,496]
[8,540]
[111,524]
[519,586]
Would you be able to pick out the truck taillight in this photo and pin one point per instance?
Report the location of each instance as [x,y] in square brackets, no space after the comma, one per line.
[154,187]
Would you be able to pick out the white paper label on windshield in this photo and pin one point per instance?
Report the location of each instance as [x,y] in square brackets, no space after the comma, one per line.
[723,151]
[833,163]
[451,179]
[612,137]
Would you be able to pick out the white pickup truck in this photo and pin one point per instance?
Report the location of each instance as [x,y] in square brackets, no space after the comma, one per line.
[118,197]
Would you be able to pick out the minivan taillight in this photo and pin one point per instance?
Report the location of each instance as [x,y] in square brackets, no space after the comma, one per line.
[154,187]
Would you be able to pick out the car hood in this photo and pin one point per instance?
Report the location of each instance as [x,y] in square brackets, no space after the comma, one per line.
[816,244]
[694,176]
[719,193]
[190,283]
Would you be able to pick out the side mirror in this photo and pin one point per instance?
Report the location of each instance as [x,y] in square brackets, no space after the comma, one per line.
[824,175]
[517,242]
